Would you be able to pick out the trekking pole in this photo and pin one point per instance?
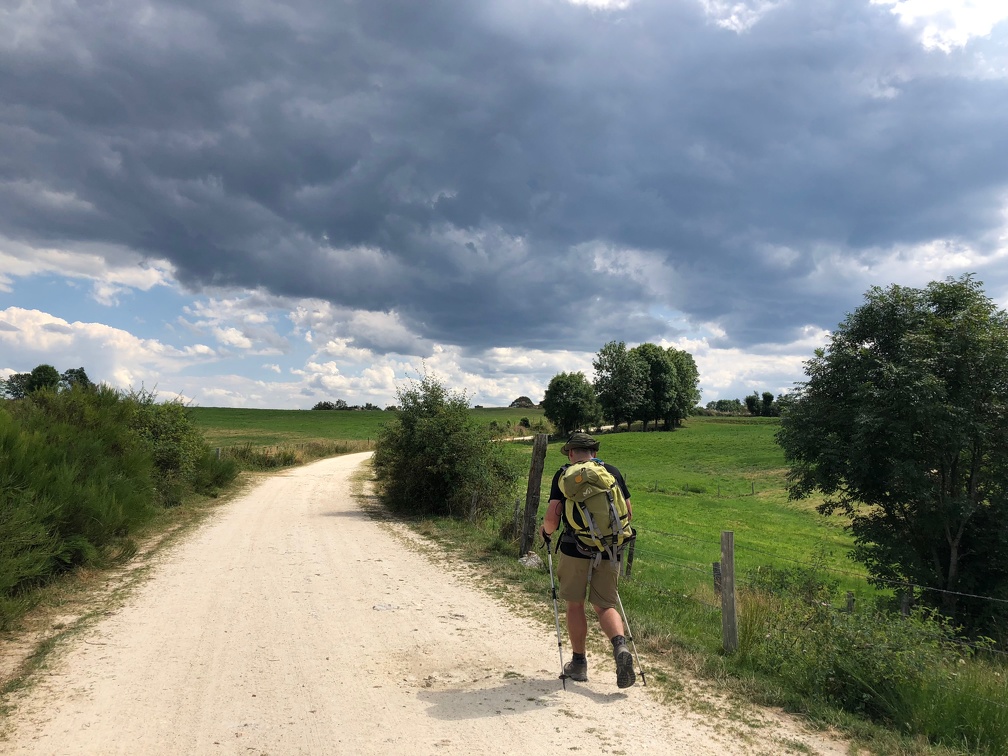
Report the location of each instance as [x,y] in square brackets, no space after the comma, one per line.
[556,611]
[633,643]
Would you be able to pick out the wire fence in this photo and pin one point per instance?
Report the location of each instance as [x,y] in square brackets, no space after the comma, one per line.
[657,550]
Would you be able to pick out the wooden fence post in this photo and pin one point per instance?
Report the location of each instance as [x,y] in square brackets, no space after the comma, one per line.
[539,444]
[850,602]
[729,619]
[628,557]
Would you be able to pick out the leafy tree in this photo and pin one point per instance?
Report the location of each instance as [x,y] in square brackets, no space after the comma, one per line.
[75,377]
[522,402]
[686,393]
[620,382]
[43,377]
[659,390]
[752,403]
[570,403]
[16,386]
[903,424]
[767,409]
[339,404]
[727,406]
[433,457]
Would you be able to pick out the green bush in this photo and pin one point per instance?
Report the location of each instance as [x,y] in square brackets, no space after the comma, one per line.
[177,445]
[434,458]
[81,470]
[75,483]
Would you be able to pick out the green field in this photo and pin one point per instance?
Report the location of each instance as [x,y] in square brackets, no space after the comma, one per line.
[687,485]
[714,475]
[224,426]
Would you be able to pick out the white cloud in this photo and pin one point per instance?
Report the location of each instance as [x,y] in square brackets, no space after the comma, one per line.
[108,354]
[948,24]
[232,337]
[111,269]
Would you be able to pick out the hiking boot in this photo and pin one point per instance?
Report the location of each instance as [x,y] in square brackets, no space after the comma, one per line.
[577,670]
[625,676]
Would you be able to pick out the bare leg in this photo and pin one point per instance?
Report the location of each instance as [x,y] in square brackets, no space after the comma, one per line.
[610,620]
[577,626]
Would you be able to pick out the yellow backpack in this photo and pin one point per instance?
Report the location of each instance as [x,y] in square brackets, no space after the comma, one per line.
[595,511]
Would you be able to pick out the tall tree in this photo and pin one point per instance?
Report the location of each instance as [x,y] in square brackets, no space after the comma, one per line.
[43,377]
[686,389]
[75,377]
[767,409]
[620,382]
[903,424]
[570,403]
[660,386]
[16,386]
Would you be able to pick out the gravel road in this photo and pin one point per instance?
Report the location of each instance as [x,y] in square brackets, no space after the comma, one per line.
[290,622]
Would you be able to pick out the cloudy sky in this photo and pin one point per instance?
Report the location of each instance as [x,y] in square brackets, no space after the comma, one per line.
[265,204]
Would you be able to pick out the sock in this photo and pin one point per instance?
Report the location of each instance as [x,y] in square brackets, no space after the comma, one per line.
[579,657]
[617,640]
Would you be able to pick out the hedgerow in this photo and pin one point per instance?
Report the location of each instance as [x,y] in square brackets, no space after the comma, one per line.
[82,470]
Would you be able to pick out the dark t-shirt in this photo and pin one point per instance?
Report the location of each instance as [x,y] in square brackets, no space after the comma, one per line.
[567,544]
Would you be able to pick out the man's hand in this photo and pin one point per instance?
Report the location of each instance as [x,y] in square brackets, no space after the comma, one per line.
[545,536]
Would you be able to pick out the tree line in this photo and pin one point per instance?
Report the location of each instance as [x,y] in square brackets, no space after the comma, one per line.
[20,385]
[645,383]
[756,405]
[340,404]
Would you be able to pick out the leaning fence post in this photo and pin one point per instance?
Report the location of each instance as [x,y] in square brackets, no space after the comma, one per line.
[532,493]
[729,619]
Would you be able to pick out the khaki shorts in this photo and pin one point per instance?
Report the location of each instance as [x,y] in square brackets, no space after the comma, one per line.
[572,573]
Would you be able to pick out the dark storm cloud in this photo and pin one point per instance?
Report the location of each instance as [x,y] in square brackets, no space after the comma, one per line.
[444,159]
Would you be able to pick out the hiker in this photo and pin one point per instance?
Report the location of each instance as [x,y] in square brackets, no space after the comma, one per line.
[575,570]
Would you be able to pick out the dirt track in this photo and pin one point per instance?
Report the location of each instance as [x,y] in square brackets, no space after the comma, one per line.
[292,623]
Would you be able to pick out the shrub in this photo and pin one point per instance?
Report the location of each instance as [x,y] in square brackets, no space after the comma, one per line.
[81,470]
[434,458]
[177,445]
[75,483]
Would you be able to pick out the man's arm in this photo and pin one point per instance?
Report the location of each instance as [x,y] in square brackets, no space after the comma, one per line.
[551,520]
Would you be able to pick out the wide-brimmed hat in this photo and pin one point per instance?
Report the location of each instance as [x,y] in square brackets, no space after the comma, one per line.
[580,441]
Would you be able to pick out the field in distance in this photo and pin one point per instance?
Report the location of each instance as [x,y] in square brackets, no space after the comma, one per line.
[230,426]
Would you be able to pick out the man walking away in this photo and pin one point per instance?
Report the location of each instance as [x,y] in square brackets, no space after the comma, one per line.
[581,574]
